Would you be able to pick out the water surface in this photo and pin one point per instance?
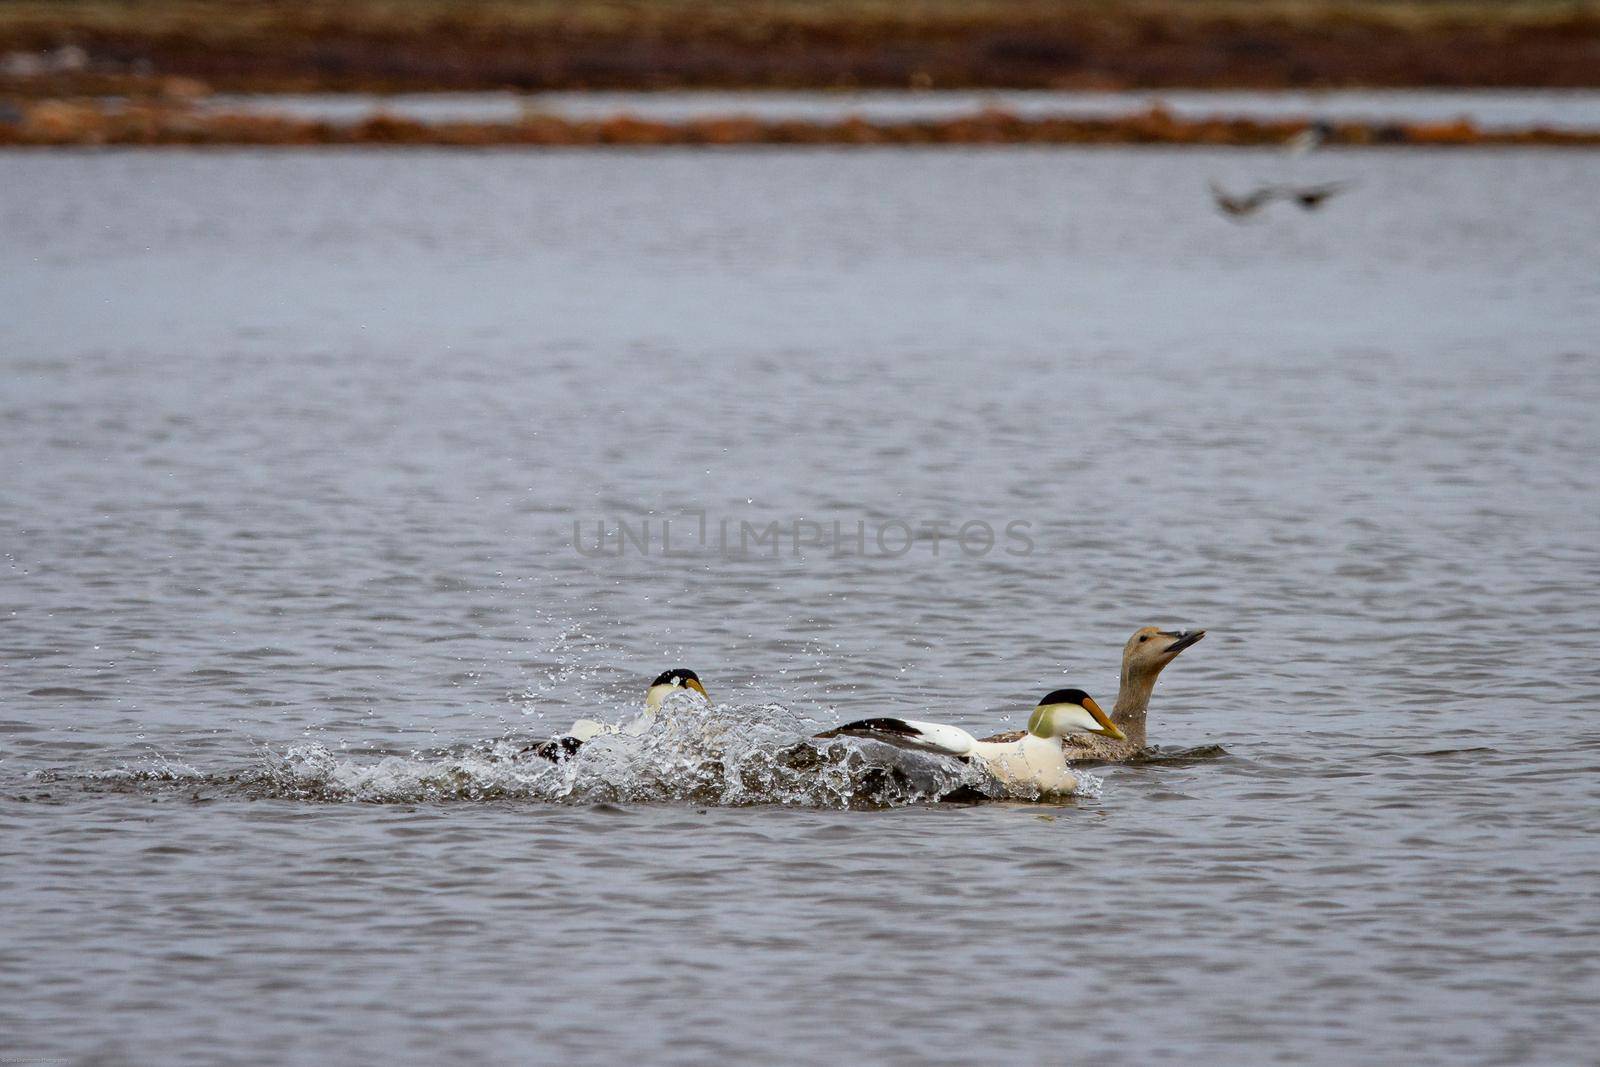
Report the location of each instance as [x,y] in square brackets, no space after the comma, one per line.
[293,449]
[1489,109]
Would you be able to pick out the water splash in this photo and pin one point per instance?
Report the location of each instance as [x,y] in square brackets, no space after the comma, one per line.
[728,755]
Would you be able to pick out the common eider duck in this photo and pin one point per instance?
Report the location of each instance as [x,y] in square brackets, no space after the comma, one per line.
[1035,760]
[666,683]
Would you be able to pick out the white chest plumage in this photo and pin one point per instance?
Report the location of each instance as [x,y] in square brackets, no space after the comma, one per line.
[1035,761]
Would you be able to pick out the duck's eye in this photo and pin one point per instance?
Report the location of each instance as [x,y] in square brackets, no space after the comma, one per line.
[1143,638]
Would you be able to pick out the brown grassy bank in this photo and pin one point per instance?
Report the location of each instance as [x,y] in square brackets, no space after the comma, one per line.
[418,45]
[62,123]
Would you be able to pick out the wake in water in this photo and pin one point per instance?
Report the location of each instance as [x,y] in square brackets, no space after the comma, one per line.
[693,754]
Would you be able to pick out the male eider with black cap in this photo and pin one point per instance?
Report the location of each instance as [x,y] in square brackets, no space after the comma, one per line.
[667,683]
[1144,657]
[1036,760]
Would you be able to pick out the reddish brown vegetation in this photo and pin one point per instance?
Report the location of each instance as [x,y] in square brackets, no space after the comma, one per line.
[86,123]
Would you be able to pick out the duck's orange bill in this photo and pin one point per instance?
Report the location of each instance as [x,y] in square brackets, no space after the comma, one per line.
[1107,727]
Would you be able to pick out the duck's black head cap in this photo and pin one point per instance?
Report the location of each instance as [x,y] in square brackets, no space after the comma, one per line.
[680,673]
[1065,696]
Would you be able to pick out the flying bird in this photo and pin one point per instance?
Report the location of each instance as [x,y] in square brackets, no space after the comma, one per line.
[1238,207]
[1308,197]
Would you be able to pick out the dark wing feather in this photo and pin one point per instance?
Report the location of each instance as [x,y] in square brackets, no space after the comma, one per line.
[874,728]
[903,733]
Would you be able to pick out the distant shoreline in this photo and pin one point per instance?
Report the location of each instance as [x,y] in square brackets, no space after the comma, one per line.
[56,48]
[88,123]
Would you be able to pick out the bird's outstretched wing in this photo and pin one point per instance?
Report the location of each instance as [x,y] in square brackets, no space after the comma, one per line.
[1310,197]
[1238,206]
[910,734]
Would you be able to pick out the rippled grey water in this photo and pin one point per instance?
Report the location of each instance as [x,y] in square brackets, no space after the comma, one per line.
[293,446]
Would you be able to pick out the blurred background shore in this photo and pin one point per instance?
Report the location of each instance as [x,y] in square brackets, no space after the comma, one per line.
[96,46]
[284,72]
